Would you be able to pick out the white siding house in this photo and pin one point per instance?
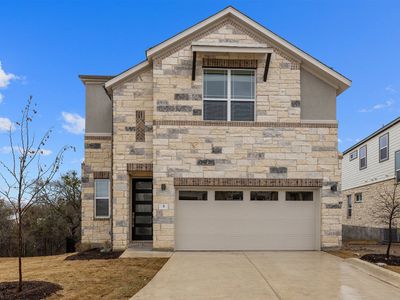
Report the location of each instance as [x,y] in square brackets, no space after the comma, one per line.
[368,168]
[376,170]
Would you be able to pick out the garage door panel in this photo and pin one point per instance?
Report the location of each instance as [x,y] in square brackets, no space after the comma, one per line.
[245,225]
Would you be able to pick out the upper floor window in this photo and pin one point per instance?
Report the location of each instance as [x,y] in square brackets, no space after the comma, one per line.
[358,197]
[397,165]
[363,157]
[102,198]
[229,95]
[384,147]
[353,155]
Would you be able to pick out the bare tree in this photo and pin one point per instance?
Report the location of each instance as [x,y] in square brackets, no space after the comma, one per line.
[26,176]
[387,210]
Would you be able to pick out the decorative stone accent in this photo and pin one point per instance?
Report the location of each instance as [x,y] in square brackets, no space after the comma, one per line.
[101,175]
[256,155]
[140,126]
[278,170]
[206,162]
[139,167]
[197,97]
[98,138]
[136,151]
[247,182]
[230,63]
[197,112]
[333,205]
[216,150]
[93,146]
[181,97]
[130,128]
[174,108]
[243,124]
[295,103]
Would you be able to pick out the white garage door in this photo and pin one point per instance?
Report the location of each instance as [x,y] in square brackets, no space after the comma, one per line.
[247,220]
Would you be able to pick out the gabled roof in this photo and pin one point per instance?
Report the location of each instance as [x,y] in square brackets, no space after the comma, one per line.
[313,65]
[372,135]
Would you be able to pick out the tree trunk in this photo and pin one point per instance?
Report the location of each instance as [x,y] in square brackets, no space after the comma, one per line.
[19,251]
[390,240]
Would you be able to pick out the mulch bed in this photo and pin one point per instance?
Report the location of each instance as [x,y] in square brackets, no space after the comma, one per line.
[381,258]
[94,254]
[32,290]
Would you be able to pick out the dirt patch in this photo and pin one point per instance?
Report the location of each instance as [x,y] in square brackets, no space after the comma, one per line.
[85,279]
[381,258]
[94,254]
[33,290]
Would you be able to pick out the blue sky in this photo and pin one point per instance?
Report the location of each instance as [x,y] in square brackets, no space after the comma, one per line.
[44,45]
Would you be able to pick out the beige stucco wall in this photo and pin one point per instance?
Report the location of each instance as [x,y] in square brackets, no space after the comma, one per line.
[98,117]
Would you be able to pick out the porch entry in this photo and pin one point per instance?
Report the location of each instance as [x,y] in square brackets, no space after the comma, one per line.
[142,209]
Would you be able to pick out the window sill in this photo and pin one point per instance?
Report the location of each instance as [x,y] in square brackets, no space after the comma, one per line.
[101,218]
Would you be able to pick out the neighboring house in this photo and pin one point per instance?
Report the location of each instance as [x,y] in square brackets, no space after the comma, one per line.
[224,138]
[368,168]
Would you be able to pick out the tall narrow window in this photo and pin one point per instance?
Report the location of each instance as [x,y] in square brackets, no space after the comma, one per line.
[384,147]
[102,198]
[229,95]
[397,166]
[363,157]
[349,206]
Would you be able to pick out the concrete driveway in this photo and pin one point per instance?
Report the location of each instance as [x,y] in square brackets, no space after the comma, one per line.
[263,275]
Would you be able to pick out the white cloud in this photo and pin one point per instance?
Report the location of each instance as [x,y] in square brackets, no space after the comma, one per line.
[73,123]
[340,141]
[5,78]
[378,106]
[6,124]
[391,89]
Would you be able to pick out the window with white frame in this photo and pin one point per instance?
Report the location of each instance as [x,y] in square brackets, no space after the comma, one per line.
[384,147]
[102,198]
[397,165]
[363,157]
[358,197]
[353,155]
[229,94]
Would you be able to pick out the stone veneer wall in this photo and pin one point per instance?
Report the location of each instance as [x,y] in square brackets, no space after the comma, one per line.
[245,152]
[166,93]
[135,94]
[361,214]
[97,161]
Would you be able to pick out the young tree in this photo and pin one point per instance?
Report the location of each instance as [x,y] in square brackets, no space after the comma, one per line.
[26,176]
[387,210]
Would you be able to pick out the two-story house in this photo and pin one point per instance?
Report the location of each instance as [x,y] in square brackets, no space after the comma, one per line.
[369,170]
[224,138]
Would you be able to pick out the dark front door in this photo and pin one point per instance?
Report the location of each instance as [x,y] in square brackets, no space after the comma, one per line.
[142,209]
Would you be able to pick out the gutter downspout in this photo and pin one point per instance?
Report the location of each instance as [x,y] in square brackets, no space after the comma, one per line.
[112,170]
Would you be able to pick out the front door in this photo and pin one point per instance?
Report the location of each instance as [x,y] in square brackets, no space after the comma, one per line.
[142,209]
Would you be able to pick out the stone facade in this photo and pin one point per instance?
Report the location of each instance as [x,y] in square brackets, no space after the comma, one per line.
[97,165]
[362,211]
[178,144]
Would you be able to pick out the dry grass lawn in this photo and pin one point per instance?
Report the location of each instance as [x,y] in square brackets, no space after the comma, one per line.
[360,248]
[86,279]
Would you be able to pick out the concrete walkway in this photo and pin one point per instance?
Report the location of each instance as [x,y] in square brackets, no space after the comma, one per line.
[263,275]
